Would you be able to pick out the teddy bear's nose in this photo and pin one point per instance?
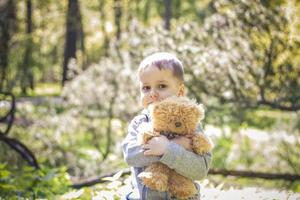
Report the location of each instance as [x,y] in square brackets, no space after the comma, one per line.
[177,124]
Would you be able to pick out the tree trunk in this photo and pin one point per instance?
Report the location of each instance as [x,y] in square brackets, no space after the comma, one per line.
[118,15]
[146,11]
[105,45]
[27,79]
[168,14]
[29,16]
[7,22]
[71,37]
[81,36]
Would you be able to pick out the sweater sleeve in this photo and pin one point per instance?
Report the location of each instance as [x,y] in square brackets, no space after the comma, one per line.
[133,152]
[186,163]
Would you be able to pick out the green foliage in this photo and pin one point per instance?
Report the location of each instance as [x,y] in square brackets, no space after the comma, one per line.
[296,186]
[290,155]
[261,119]
[297,126]
[246,147]
[61,135]
[221,152]
[33,184]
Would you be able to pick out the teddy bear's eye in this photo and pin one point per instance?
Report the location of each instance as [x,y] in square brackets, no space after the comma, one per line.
[177,124]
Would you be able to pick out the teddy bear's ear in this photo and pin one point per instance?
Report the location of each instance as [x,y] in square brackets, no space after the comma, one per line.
[201,111]
[197,109]
[155,107]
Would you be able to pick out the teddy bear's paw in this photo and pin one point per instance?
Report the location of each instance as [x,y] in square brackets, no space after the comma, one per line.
[181,187]
[161,184]
[147,136]
[183,192]
[201,144]
[145,175]
[154,182]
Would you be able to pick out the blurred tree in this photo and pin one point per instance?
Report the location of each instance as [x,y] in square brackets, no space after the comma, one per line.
[246,49]
[118,16]
[250,55]
[26,72]
[274,66]
[147,11]
[168,13]
[102,10]
[74,35]
[177,8]
[7,29]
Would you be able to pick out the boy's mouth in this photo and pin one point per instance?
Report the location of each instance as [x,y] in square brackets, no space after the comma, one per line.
[149,103]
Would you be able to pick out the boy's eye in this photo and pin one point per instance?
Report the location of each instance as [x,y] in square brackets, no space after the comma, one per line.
[146,88]
[162,86]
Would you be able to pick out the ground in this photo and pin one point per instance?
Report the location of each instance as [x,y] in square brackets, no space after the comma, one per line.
[116,188]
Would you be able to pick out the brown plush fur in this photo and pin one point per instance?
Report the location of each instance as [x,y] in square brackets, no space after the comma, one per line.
[174,116]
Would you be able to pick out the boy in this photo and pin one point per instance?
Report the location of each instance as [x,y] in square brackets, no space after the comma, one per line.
[160,76]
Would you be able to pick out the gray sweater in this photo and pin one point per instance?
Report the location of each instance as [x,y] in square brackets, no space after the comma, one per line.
[184,162]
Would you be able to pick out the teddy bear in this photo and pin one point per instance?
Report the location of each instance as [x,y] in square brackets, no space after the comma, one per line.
[172,117]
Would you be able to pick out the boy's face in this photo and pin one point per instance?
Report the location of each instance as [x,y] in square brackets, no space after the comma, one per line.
[156,85]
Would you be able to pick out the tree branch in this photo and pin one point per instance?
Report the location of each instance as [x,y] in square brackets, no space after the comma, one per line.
[253,174]
[224,172]
[274,105]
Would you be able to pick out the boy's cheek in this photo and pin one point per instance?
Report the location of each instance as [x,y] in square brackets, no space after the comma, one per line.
[142,100]
[144,103]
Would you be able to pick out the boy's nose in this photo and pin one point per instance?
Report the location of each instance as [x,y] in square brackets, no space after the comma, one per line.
[153,94]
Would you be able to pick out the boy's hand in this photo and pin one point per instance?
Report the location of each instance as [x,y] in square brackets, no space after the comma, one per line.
[184,142]
[157,146]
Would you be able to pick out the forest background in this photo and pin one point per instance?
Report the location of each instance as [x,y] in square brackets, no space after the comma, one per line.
[72,67]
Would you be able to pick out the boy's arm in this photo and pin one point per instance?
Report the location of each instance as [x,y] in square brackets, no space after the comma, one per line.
[186,163]
[132,150]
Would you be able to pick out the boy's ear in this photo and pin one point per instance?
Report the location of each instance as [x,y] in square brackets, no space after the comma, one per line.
[181,91]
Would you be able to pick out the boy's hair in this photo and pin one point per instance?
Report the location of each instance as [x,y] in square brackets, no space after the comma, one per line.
[163,60]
